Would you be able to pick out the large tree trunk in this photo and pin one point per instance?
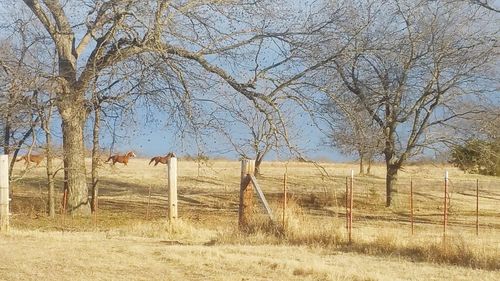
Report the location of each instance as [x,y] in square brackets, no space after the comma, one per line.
[391,178]
[73,119]
[390,159]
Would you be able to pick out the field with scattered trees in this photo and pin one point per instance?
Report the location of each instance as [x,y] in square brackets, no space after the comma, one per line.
[406,92]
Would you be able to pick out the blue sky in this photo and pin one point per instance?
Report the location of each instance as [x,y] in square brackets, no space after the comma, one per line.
[158,139]
[149,139]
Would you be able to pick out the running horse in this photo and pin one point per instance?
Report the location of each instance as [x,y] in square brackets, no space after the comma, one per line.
[31,158]
[121,158]
[162,159]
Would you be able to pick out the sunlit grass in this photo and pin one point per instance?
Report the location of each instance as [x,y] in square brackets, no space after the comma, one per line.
[133,202]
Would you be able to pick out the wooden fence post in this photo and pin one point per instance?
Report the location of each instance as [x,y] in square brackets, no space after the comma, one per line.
[4,193]
[246,193]
[172,188]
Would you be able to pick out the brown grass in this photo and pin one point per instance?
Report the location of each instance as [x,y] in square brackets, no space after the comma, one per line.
[455,251]
[314,219]
[300,231]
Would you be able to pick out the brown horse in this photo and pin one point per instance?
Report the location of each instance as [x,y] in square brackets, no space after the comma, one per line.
[162,159]
[31,158]
[121,158]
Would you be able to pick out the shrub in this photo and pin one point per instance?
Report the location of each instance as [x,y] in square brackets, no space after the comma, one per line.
[477,156]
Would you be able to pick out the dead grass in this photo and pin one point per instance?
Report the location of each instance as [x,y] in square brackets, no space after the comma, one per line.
[42,255]
[300,230]
[455,251]
[314,217]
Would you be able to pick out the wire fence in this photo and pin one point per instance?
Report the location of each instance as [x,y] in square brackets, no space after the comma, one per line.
[437,205]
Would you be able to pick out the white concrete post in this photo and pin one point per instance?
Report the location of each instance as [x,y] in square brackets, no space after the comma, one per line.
[4,193]
[172,188]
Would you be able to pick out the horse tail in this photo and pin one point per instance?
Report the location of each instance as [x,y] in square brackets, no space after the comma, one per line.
[20,159]
[110,157]
[152,159]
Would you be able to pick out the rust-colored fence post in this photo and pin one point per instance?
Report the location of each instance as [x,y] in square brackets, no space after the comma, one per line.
[284,201]
[347,204]
[477,207]
[4,193]
[411,204]
[445,207]
[246,194]
[351,203]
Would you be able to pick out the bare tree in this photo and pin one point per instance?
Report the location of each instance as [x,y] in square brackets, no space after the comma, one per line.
[90,37]
[18,115]
[485,124]
[349,129]
[409,65]
[248,131]
[490,5]
[26,106]
[100,99]
[45,108]
[32,106]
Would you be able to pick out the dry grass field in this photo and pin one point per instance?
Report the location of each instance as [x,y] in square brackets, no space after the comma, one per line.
[132,239]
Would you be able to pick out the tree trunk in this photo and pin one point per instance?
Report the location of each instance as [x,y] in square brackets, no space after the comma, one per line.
[73,119]
[368,170]
[6,135]
[361,163]
[258,161]
[390,157]
[8,126]
[391,178]
[50,169]
[95,158]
